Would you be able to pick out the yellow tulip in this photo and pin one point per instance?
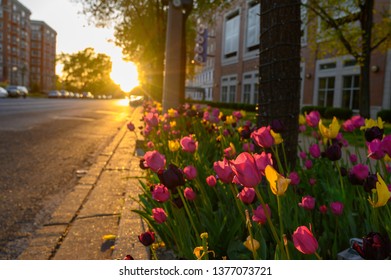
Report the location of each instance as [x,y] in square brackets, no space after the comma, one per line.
[197,252]
[230,120]
[173,145]
[251,244]
[302,120]
[172,113]
[278,183]
[382,193]
[369,123]
[332,131]
[173,124]
[277,137]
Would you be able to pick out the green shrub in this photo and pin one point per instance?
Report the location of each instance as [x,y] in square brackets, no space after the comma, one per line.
[340,113]
[308,109]
[385,115]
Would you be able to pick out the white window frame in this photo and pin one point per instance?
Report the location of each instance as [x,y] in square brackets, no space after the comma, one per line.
[229,83]
[250,78]
[231,34]
[252,26]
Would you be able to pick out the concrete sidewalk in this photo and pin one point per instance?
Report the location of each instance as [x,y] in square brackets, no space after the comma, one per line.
[100,204]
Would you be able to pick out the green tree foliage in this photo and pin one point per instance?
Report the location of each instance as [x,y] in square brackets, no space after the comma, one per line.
[140,30]
[87,71]
[350,27]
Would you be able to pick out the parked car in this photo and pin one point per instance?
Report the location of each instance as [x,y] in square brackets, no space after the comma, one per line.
[23,90]
[3,92]
[87,94]
[54,94]
[13,91]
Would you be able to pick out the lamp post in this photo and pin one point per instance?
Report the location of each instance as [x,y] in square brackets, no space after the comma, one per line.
[13,76]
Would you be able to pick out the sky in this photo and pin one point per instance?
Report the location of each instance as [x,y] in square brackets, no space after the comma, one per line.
[75,34]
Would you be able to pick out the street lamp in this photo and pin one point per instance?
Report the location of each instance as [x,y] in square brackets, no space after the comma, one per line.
[13,76]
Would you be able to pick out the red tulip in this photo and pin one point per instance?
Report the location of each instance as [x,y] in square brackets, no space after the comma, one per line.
[189,194]
[160,193]
[262,160]
[259,215]
[246,170]
[211,181]
[247,195]
[336,208]
[190,172]
[304,241]
[188,144]
[159,215]
[307,202]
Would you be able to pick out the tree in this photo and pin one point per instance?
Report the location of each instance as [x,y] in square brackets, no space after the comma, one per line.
[347,26]
[140,30]
[279,71]
[87,71]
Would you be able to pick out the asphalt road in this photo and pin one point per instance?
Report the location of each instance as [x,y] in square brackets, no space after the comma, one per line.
[43,145]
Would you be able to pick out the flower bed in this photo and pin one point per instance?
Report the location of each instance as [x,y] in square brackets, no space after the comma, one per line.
[217,187]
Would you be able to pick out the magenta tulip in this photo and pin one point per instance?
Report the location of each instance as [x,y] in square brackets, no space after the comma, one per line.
[336,208]
[152,119]
[246,170]
[259,215]
[314,150]
[147,238]
[295,179]
[154,160]
[375,150]
[360,171]
[160,193]
[307,202]
[159,215]
[263,137]
[130,126]
[386,145]
[304,241]
[323,209]
[312,118]
[308,164]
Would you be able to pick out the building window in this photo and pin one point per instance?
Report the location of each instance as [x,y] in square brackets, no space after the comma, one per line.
[304,21]
[246,93]
[231,35]
[253,26]
[228,89]
[250,88]
[326,91]
[350,92]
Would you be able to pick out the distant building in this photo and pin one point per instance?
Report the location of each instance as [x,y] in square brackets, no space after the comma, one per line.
[27,48]
[43,56]
[230,73]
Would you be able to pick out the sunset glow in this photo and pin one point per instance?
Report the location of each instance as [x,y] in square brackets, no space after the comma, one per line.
[125,74]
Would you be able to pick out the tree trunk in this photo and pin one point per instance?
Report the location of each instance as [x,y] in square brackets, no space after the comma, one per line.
[365,65]
[279,67]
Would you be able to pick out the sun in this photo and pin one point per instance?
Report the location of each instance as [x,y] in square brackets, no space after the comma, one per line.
[124,74]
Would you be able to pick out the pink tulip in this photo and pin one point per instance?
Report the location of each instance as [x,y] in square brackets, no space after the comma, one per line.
[314,151]
[360,171]
[160,193]
[307,202]
[312,118]
[262,137]
[248,147]
[259,215]
[189,193]
[348,126]
[303,155]
[188,144]
[247,195]
[152,119]
[190,172]
[312,181]
[386,145]
[336,208]
[262,160]
[224,171]
[308,164]
[304,241]
[246,170]
[154,160]
[353,158]
[358,121]
[159,215]
[150,145]
[375,150]
[211,181]
[295,179]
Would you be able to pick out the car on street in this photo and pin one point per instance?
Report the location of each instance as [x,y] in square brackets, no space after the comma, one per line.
[23,90]
[3,93]
[13,91]
[54,94]
[87,94]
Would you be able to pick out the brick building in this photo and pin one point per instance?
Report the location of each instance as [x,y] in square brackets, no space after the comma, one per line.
[27,48]
[230,73]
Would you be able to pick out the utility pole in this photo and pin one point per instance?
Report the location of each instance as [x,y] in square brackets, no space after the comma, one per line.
[175,64]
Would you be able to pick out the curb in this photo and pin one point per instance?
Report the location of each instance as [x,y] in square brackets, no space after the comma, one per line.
[100,204]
